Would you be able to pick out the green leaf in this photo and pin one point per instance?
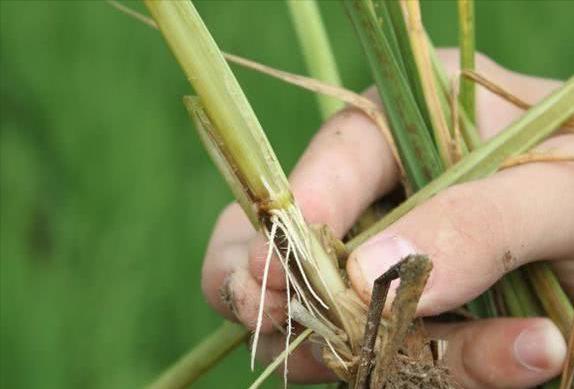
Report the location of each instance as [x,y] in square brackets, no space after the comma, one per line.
[412,136]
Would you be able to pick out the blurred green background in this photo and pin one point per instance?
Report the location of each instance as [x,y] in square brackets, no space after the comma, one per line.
[107,199]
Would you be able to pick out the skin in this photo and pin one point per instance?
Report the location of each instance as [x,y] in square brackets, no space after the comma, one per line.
[474,233]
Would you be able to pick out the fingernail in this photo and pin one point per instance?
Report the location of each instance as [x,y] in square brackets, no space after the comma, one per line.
[377,256]
[540,347]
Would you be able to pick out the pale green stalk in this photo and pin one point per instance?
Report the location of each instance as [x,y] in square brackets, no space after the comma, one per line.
[202,357]
[281,358]
[523,134]
[466,38]
[316,48]
[236,132]
[208,137]
[208,72]
[511,299]
[526,298]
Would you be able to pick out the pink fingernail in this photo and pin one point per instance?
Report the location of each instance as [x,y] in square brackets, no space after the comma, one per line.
[540,347]
[377,256]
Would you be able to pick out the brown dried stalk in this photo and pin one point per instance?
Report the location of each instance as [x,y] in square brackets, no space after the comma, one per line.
[376,370]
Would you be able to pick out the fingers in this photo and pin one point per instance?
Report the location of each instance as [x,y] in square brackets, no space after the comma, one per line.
[226,282]
[332,183]
[478,231]
[502,353]
[520,353]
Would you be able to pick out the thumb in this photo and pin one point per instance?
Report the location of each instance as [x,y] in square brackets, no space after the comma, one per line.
[474,233]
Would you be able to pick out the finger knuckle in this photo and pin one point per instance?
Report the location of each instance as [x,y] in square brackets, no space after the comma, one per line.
[471,221]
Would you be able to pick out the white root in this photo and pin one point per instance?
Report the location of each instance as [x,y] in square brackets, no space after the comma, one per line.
[300,251]
[299,308]
[289,324]
[271,237]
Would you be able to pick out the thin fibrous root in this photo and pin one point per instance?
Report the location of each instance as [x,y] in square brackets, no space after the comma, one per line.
[289,324]
[280,231]
[271,237]
[300,251]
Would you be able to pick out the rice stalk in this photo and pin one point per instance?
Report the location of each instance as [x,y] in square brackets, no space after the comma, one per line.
[556,303]
[466,40]
[202,357]
[416,147]
[394,27]
[317,51]
[567,380]
[467,128]
[334,91]
[275,215]
[527,299]
[269,369]
[224,117]
[431,92]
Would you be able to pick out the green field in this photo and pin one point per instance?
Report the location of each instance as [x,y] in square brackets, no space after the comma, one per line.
[107,198]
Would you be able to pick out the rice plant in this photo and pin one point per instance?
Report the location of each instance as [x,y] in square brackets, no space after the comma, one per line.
[433,155]
[429,122]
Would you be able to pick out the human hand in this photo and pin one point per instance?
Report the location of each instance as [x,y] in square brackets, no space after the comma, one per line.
[474,233]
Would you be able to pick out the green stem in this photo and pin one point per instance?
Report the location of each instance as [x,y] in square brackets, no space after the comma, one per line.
[237,143]
[416,147]
[317,51]
[526,298]
[467,48]
[396,21]
[202,357]
[238,128]
[537,124]
[511,299]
